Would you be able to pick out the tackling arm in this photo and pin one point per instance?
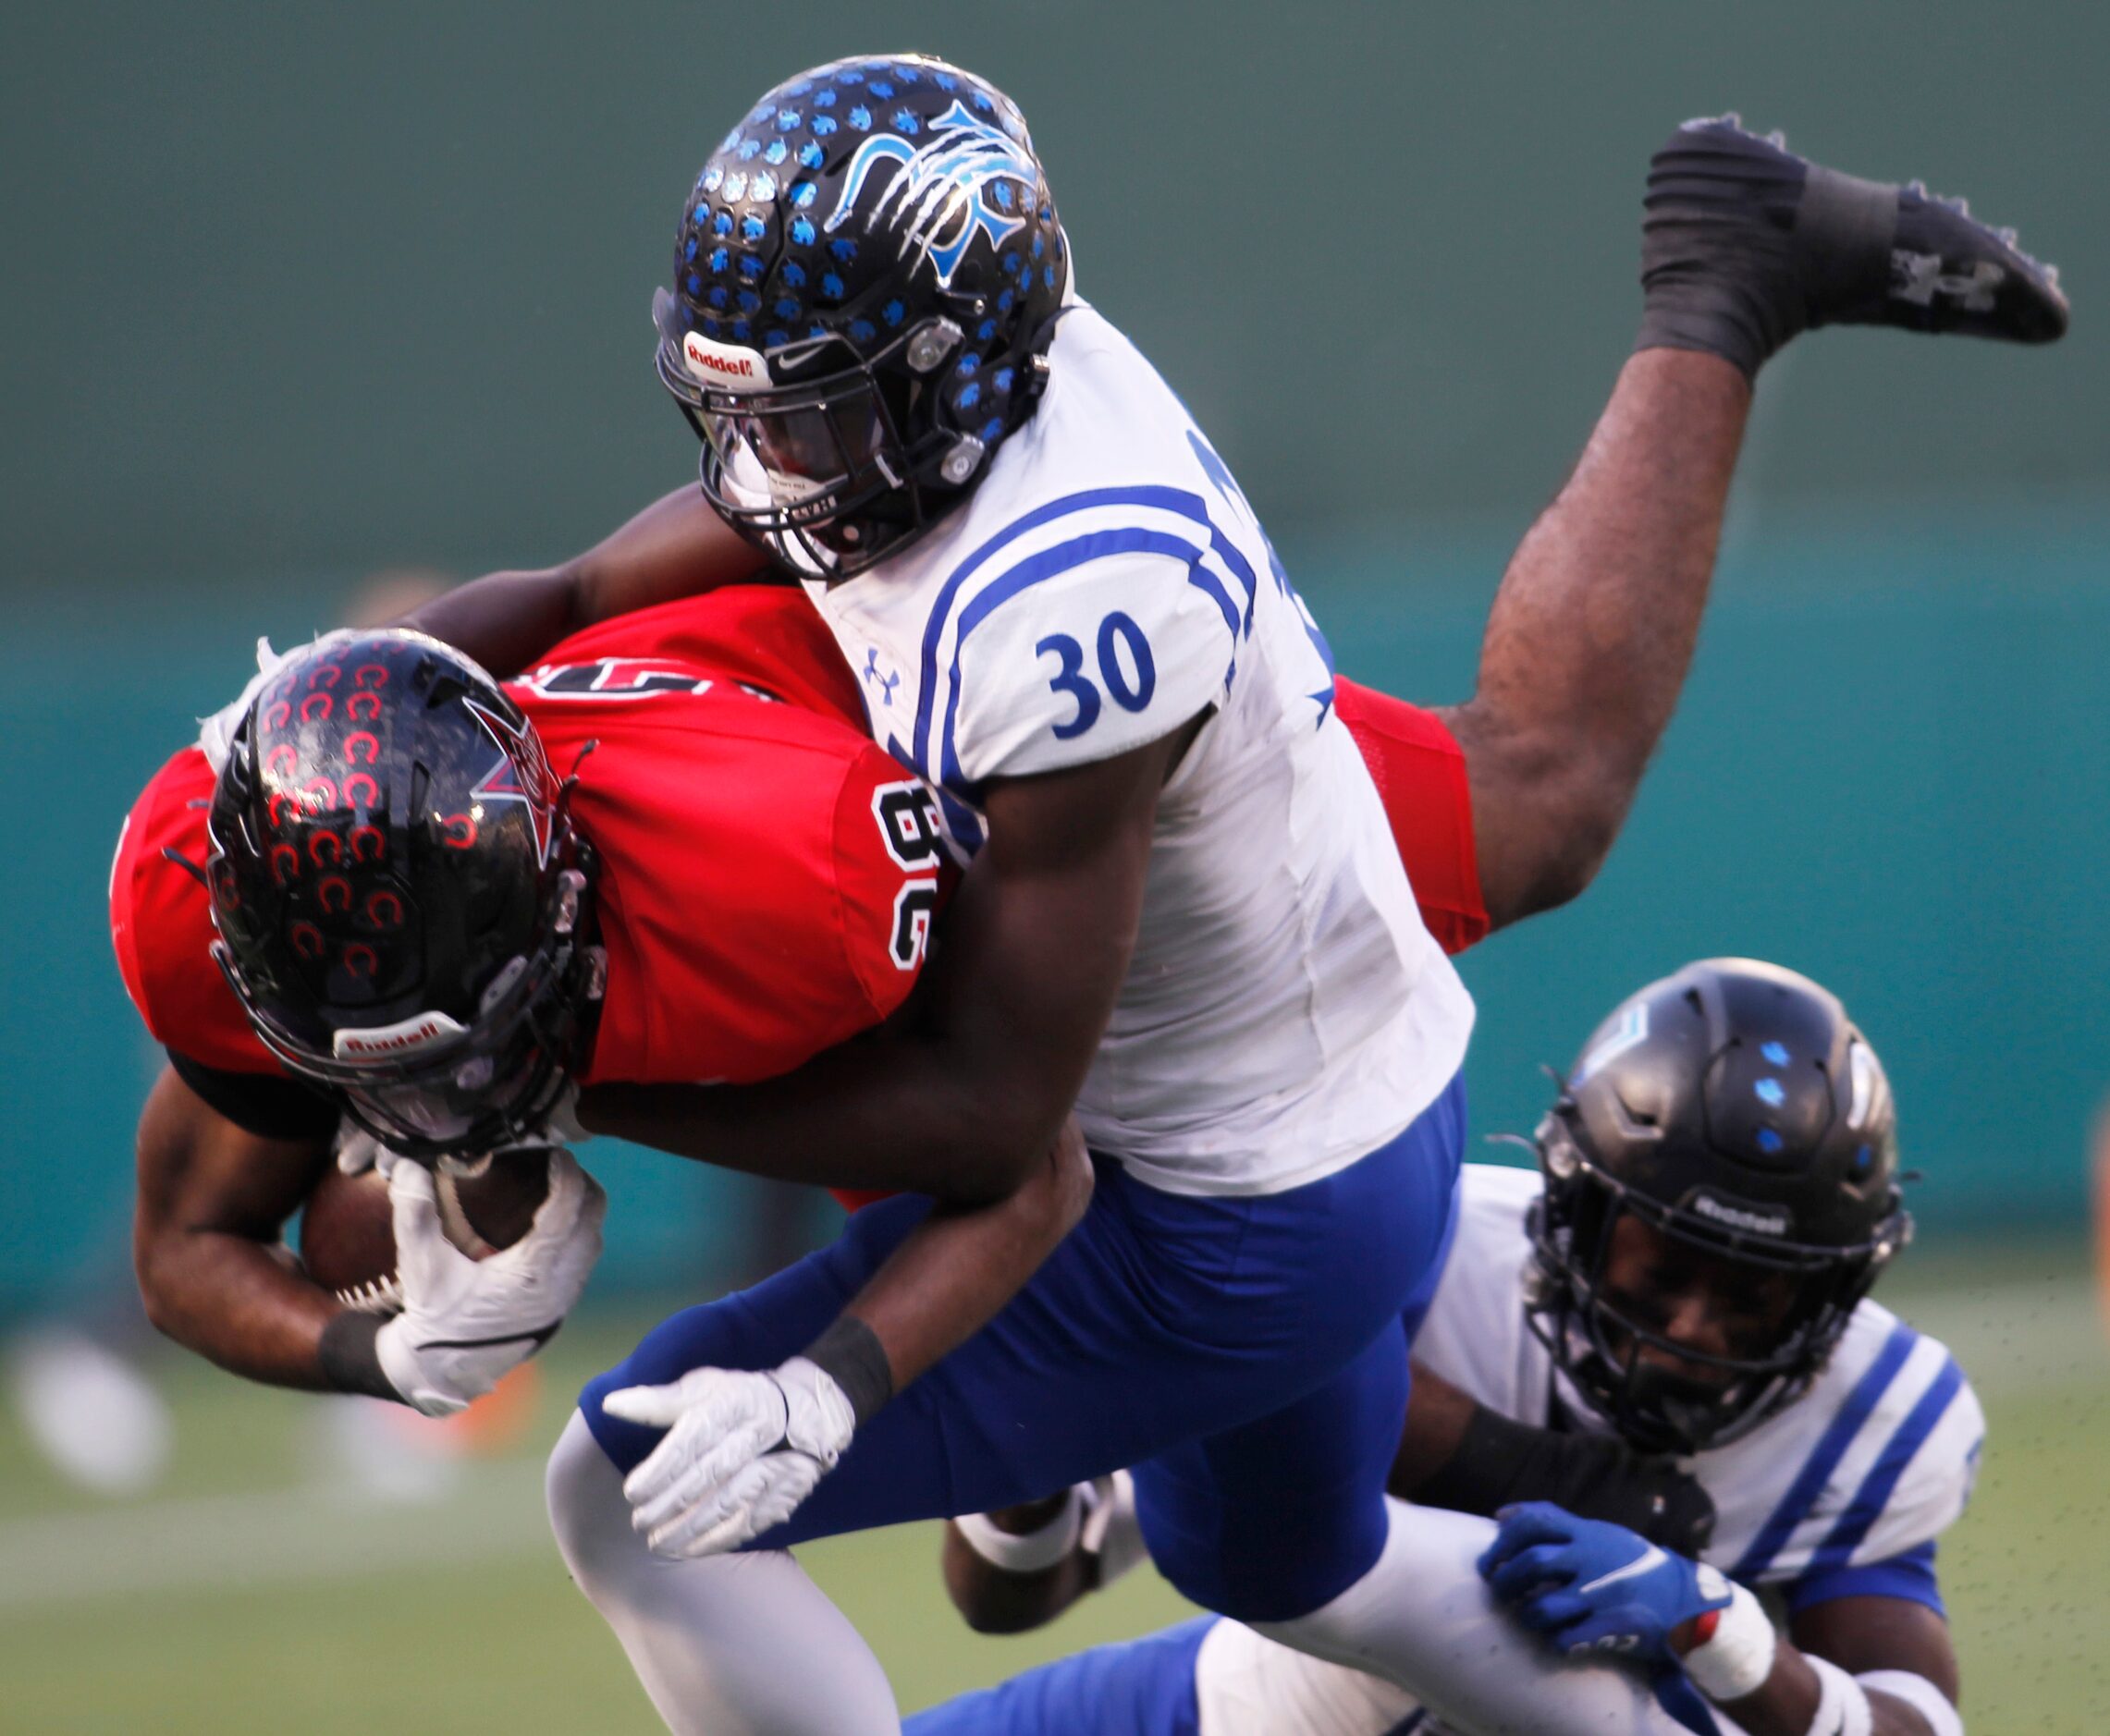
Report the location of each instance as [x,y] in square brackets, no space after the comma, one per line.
[676,547]
[1454,1453]
[962,1263]
[212,1203]
[962,1097]
[962,1092]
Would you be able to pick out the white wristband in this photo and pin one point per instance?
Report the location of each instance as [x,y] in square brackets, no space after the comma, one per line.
[1922,1696]
[1111,1532]
[1843,1710]
[1739,1657]
[1031,1552]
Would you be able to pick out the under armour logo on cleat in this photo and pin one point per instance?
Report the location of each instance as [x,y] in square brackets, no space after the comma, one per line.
[1918,278]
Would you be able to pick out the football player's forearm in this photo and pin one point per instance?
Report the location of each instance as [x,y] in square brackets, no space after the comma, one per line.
[504,620]
[962,1092]
[212,1200]
[1788,1703]
[895,1110]
[240,1304]
[676,547]
[1858,1635]
[1438,1416]
[1592,631]
[962,1265]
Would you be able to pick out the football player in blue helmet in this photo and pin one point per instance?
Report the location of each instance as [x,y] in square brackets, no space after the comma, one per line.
[866,281]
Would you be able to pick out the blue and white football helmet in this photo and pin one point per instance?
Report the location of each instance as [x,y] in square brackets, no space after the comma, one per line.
[865,283]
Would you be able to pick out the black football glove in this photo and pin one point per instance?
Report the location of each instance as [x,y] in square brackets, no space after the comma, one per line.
[1500,1463]
[1746,244]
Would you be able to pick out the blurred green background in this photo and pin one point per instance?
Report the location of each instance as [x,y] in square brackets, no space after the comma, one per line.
[296,295]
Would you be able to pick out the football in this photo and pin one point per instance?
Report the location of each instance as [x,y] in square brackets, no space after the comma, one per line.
[347,1238]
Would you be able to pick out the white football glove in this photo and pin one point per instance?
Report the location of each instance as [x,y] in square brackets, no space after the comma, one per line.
[217,733]
[358,1151]
[742,1451]
[467,1322]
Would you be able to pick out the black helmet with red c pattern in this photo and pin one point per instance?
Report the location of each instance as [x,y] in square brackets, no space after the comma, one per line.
[401,901]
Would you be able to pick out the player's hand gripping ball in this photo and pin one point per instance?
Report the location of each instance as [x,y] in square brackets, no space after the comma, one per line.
[742,1451]
[348,1233]
[477,1265]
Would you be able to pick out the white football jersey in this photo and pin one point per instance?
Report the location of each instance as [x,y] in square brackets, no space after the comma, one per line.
[1286,1011]
[1875,1461]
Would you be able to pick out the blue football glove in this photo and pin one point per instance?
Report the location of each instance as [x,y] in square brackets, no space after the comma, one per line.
[1593,1587]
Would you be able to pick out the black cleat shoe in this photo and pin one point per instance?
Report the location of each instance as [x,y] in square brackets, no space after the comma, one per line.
[1746,244]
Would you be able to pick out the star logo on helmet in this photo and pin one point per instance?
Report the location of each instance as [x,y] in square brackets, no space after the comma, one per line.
[942,190]
[520,773]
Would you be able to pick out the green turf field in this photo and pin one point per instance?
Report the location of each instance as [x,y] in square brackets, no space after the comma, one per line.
[252,1592]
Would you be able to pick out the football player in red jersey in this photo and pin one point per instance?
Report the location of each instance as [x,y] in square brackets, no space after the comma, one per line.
[727,772]
[719,773]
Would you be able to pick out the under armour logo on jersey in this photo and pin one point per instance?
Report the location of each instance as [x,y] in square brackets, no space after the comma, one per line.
[886,683]
[944,191]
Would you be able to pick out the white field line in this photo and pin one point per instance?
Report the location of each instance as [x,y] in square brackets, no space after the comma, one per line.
[227,1542]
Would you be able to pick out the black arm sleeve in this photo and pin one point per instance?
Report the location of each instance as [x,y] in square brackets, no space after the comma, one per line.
[271,1106]
[1594,1476]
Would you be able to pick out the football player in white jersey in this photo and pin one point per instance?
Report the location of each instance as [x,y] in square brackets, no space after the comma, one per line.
[1183,917]
[1688,1272]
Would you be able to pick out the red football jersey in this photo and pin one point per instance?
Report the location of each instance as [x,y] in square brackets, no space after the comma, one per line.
[1420,770]
[768,875]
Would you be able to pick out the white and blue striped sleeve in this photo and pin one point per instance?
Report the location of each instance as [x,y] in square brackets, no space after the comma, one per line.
[1922,1480]
[1890,1471]
[1099,631]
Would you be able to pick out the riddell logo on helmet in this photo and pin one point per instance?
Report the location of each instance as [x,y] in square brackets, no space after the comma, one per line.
[1741,1217]
[386,1043]
[727,365]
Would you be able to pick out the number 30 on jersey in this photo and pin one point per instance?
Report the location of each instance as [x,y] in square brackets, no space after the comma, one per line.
[1127,672]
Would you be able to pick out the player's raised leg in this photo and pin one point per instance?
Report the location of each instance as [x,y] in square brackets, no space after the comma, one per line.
[1744,245]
